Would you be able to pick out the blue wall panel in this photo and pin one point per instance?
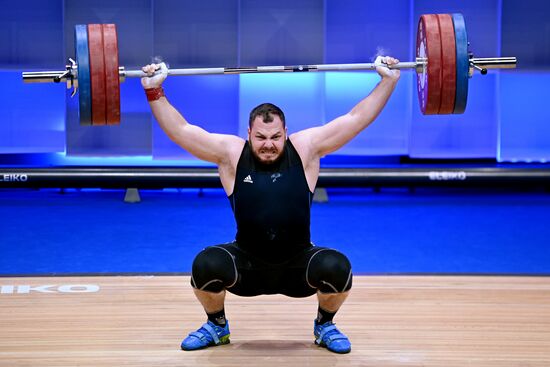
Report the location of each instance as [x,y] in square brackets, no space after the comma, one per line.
[196,33]
[357,30]
[470,135]
[32,117]
[525,117]
[31,35]
[526,32]
[284,32]
[300,96]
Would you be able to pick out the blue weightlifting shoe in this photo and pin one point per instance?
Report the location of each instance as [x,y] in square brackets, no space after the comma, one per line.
[208,335]
[328,336]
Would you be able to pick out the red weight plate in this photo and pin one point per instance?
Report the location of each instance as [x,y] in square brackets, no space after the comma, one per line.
[97,73]
[112,81]
[448,66]
[428,46]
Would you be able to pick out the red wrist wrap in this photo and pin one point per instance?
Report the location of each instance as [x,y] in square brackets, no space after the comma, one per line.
[154,93]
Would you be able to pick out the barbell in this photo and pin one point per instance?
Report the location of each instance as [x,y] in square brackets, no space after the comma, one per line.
[443,66]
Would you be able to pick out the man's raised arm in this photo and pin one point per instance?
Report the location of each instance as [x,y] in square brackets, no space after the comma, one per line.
[333,135]
[210,147]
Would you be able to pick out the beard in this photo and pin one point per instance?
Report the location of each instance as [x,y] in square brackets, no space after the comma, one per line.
[274,155]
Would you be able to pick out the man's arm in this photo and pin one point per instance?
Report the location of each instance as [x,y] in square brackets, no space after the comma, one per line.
[325,139]
[215,148]
[207,146]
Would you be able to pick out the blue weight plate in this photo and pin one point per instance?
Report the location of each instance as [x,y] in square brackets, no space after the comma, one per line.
[462,63]
[83,62]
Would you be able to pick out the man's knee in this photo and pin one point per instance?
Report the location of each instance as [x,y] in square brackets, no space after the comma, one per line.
[329,271]
[213,270]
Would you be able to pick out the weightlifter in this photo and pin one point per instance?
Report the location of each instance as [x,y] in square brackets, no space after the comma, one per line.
[269,180]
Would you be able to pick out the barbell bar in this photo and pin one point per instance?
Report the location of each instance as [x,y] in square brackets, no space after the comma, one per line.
[480,64]
[443,66]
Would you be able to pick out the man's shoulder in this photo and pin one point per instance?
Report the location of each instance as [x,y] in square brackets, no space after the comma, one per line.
[233,146]
[234,143]
[227,167]
[301,141]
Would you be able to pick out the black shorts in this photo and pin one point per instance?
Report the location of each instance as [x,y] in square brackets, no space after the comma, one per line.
[256,277]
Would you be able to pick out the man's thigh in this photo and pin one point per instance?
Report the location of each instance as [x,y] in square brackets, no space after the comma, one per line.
[257,277]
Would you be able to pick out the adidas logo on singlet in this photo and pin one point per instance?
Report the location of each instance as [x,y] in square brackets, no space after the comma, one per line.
[248,179]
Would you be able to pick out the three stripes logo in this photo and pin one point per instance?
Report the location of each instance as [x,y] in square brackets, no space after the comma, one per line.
[248,179]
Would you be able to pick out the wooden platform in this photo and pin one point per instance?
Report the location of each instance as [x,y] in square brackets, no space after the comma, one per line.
[391,321]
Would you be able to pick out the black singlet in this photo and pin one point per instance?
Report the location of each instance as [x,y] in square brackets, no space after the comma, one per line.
[271,204]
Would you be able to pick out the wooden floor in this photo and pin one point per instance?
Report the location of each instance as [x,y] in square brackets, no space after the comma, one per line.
[391,321]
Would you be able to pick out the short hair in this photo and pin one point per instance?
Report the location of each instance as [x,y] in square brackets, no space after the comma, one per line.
[266,111]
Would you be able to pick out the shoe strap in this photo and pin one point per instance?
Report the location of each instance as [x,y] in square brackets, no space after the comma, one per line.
[325,330]
[201,335]
[212,332]
[334,337]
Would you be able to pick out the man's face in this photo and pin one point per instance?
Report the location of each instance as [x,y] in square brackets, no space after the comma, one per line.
[267,139]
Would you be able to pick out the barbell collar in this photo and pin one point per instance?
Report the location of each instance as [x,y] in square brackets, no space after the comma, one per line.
[44,76]
[494,62]
[482,64]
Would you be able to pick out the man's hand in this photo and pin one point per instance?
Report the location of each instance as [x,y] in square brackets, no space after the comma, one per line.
[382,63]
[155,81]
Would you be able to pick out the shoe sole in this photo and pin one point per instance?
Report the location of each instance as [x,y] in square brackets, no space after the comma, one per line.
[333,351]
[223,341]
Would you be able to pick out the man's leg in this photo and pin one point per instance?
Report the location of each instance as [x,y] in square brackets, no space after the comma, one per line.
[329,271]
[331,302]
[214,270]
[211,301]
